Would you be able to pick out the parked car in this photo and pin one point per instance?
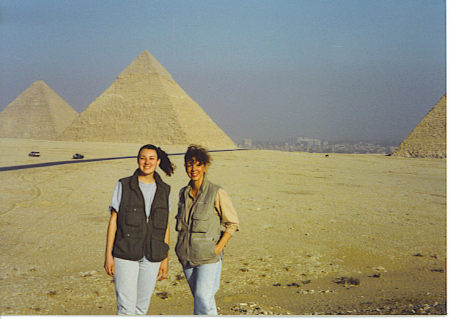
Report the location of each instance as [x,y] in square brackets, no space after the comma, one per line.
[34,154]
[77,156]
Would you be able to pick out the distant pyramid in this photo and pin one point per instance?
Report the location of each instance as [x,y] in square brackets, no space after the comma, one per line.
[428,139]
[38,113]
[145,105]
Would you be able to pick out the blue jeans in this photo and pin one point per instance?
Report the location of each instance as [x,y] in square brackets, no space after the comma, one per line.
[135,282]
[204,281]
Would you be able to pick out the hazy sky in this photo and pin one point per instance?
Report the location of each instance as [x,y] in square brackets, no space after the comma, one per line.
[263,69]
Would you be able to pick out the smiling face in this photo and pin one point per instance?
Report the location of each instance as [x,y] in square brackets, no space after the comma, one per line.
[195,170]
[148,161]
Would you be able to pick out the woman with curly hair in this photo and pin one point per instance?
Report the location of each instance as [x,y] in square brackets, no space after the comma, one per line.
[206,220]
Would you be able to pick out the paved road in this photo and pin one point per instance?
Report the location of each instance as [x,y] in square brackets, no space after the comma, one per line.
[17,167]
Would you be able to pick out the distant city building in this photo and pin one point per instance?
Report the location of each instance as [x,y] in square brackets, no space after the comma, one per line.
[248,143]
[312,145]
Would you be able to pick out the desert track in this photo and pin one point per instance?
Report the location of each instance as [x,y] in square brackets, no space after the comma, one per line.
[47,164]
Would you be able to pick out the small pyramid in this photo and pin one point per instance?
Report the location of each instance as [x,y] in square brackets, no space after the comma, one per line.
[145,105]
[428,139]
[38,113]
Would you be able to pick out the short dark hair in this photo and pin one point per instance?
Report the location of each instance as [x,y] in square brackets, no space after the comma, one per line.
[198,152]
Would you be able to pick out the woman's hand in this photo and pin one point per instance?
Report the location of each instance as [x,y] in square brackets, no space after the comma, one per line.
[163,269]
[109,265]
[222,243]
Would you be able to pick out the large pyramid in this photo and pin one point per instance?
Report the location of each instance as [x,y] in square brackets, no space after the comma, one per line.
[428,139]
[38,113]
[145,105]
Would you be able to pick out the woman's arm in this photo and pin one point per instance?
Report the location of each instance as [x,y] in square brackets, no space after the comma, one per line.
[164,267]
[222,242]
[110,236]
[228,217]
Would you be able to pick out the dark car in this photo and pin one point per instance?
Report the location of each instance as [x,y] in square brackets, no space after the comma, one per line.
[77,156]
[34,154]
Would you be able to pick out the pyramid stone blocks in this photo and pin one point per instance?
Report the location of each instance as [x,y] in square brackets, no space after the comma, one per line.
[428,139]
[37,113]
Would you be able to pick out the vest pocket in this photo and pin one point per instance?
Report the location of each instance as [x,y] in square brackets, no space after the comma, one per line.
[160,218]
[159,250]
[200,223]
[133,217]
[202,248]
[128,248]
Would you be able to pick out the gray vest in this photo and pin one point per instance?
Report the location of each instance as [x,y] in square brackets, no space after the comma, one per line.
[136,236]
[198,236]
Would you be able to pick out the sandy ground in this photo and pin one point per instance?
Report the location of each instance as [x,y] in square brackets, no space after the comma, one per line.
[344,234]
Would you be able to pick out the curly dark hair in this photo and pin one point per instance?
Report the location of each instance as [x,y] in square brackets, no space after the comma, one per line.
[199,153]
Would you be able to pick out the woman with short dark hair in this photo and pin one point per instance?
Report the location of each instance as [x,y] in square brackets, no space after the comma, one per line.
[206,220]
[137,241]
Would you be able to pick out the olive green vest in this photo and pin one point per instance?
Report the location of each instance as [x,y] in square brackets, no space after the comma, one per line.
[136,236]
[197,237]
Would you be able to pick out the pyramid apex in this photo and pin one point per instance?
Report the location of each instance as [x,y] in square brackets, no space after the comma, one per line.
[145,63]
[41,87]
[39,83]
[145,52]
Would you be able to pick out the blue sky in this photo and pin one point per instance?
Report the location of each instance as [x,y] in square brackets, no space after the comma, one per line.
[262,69]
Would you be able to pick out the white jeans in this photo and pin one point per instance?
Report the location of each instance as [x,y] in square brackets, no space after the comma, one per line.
[204,281]
[135,282]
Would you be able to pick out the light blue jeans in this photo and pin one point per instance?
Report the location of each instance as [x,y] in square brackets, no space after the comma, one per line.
[204,281]
[135,282]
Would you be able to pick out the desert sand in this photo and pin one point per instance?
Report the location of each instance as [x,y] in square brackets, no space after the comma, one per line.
[343,234]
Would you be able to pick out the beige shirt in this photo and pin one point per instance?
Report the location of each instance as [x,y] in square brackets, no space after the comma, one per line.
[223,207]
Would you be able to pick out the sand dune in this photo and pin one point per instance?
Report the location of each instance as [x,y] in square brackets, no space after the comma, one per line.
[306,221]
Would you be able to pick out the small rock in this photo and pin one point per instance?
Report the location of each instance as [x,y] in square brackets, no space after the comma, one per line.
[347,281]
[179,277]
[88,273]
[437,270]
[163,295]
